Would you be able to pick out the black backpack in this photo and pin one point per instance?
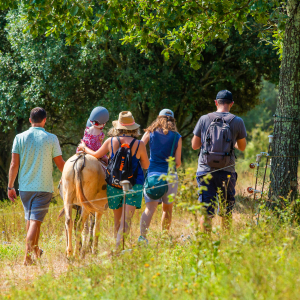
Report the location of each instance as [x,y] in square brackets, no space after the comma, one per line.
[120,166]
[218,143]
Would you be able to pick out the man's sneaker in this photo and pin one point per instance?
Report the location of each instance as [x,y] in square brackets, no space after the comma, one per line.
[142,240]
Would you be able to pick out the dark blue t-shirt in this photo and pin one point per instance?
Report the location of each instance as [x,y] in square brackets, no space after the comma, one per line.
[160,150]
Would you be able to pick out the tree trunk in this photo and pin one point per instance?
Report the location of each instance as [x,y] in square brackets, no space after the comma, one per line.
[285,147]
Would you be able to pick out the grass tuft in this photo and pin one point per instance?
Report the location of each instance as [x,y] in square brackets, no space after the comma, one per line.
[246,262]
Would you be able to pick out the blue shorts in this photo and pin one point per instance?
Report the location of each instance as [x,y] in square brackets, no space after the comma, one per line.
[36,204]
[211,197]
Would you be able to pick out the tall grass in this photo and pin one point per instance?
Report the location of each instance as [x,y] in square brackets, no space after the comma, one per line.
[247,262]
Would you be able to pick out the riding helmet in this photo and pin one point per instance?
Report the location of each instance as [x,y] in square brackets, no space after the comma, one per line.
[99,114]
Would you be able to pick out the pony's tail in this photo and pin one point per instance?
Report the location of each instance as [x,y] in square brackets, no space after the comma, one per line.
[79,165]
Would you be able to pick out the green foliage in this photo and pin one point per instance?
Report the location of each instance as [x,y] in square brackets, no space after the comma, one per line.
[64,79]
[259,123]
[262,115]
[259,142]
[180,27]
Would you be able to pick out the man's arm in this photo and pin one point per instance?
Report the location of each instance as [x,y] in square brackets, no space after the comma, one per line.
[56,154]
[196,142]
[241,136]
[13,172]
[241,144]
[59,162]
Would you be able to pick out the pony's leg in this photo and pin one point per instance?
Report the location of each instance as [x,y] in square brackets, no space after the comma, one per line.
[79,229]
[96,232]
[68,222]
[91,231]
[85,234]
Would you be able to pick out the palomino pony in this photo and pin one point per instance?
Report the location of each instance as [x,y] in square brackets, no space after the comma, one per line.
[83,184]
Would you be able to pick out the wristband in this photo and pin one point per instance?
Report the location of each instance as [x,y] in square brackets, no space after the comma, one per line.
[9,188]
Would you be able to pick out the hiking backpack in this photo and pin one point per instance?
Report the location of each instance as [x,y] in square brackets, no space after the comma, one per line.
[120,166]
[218,142]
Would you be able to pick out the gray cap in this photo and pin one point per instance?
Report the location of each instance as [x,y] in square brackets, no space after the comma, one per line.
[166,112]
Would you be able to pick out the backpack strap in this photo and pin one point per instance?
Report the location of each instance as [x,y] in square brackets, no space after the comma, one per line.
[118,138]
[112,147]
[212,116]
[229,118]
[132,143]
[137,148]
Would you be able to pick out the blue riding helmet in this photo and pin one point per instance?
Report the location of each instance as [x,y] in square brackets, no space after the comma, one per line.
[99,114]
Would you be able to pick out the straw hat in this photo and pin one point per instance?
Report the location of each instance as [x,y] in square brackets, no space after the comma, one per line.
[125,121]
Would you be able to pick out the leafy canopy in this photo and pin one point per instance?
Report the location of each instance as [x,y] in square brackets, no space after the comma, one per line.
[182,27]
[69,80]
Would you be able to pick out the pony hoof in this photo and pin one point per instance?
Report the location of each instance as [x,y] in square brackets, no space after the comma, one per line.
[68,254]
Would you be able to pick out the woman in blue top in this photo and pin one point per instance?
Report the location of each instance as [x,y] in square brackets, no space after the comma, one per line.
[127,130]
[160,135]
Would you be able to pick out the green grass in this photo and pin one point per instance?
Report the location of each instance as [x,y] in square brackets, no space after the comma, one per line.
[248,262]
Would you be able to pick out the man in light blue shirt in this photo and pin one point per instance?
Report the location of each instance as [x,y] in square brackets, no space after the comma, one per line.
[32,154]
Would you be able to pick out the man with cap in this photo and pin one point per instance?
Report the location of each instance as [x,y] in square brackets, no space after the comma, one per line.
[223,175]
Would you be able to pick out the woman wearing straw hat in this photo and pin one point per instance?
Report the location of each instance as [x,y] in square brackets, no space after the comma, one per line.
[164,142]
[127,130]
